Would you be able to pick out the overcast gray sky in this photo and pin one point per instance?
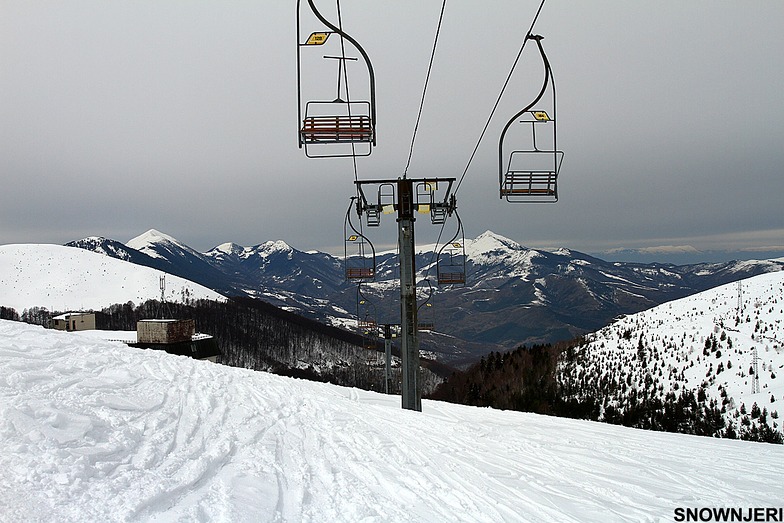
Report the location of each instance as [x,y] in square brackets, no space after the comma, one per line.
[121,116]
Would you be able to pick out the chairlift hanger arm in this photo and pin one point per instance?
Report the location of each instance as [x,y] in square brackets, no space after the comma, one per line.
[545,83]
[361,50]
[429,294]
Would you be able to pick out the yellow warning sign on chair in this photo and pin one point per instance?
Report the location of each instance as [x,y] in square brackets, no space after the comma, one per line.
[542,116]
[317,38]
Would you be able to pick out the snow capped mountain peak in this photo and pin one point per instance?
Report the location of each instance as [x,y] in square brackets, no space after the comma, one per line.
[562,252]
[263,250]
[490,248]
[490,241]
[94,239]
[150,237]
[230,248]
[276,245]
[148,241]
[272,247]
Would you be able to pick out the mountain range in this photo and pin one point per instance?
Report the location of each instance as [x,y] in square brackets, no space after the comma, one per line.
[513,294]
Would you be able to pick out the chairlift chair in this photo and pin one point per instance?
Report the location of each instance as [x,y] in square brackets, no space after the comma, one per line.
[359,255]
[451,259]
[366,310]
[385,204]
[367,324]
[338,127]
[531,173]
[425,312]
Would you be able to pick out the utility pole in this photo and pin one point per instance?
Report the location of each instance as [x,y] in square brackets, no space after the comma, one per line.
[387,355]
[411,197]
[163,293]
[755,388]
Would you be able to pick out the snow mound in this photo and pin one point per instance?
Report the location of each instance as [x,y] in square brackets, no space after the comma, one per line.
[97,431]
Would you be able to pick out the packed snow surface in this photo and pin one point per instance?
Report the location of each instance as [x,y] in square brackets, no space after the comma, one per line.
[68,278]
[96,431]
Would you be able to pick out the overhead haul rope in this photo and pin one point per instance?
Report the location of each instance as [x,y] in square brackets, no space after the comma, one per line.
[424,90]
[419,117]
[487,124]
[345,81]
[435,250]
[348,106]
[503,89]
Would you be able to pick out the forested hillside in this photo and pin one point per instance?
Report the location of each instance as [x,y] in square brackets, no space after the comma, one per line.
[710,364]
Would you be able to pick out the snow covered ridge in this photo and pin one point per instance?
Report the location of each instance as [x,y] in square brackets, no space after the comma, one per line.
[704,342]
[66,278]
[97,431]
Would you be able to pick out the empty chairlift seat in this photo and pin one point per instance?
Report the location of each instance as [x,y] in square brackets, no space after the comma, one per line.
[360,273]
[337,129]
[531,174]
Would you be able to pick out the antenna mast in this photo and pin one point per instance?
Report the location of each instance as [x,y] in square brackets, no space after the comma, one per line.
[755,388]
[163,293]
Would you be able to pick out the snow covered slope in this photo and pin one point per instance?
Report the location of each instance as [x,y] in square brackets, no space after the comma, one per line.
[96,431]
[67,278]
[703,342]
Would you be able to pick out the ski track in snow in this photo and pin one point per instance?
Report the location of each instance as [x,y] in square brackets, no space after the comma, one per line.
[96,431]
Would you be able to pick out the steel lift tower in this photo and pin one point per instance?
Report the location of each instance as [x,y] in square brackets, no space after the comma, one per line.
[407,197]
